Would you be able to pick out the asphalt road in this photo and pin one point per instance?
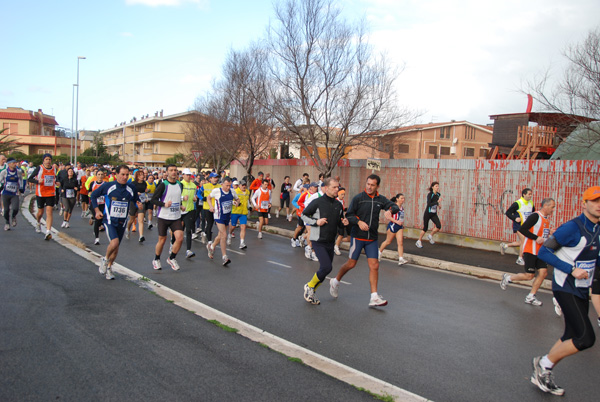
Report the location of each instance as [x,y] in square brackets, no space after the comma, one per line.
[443,336]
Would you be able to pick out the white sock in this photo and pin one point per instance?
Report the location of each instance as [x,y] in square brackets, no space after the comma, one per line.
[546,363]
[374,295]
[531,295]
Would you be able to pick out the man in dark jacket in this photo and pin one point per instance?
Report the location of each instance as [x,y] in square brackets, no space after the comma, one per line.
[363,214]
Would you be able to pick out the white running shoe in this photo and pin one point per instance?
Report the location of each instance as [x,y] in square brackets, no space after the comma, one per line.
[334,287]
[127,233]
[336,250]
[173,263]
[14,221]
[558,310]
[97,242]
[293,243]
[109,274]
[313,256]
[6,226]
[62,225]
[307,252]
[378,255]
[48,235]
[401,261]
[505,281]
[211,251]
[378,301]
[38,228]
[419,244]
[503,248]
[226,261]
[531,299]
[520,261]
[430,238]
[277,214]
[67,225]
[194,236]
[189,254]
[260,235]
[203,238]
[156,265]
[269,216]
[229,240]
[243,245]
[103,266]
[309,295]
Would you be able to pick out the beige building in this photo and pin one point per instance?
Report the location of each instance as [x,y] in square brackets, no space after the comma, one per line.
[149,140]
[34,132]
[451,140]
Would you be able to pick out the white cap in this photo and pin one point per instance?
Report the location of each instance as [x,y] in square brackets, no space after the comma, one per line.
[187,171]
[236,183]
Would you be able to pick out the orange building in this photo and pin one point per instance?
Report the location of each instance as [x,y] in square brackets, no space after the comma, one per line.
[33,132]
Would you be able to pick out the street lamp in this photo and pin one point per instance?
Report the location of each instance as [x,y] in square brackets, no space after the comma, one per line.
[77,110]
[72,120]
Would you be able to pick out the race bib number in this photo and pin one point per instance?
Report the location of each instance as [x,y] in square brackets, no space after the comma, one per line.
[589,267]
[227,207]
[118,209]
[175,207]
[49,181]
[70,193]
[401,216]
[100,199]
[11,187]
[546,233]
[433,209]
[143,197]
[264,205]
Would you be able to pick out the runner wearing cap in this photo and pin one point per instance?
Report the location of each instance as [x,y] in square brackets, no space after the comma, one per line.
[11,183]
[188,211]
[208,216]
[261,201]
[573,252]
[44,177]
[224,201]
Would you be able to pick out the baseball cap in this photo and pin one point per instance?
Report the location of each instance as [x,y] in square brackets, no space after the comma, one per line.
[591,193]
[305,186]
[213,174]
[186,171]
[236,183]
[314,184]
[11,160]
[243,183]
[46,156]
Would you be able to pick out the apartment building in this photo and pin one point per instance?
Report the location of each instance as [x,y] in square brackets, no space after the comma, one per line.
[34,132]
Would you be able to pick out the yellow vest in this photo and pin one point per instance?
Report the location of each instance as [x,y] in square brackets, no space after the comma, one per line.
[241,209]
[208,188]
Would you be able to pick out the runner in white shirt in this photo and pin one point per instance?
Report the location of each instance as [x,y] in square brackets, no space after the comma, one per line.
[225,200]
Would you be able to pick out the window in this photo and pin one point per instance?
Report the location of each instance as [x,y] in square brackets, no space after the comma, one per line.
[44,151]
[483,152]
[11,128]
[432,150]
[469,152]
[444,150]
[469,133]
[403,148]
[445,132]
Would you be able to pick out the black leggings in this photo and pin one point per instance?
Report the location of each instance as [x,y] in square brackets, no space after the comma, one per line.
[97,224]
[189,227]
[210,220]
[434,218]
[324,253]
[10,202]
[69,204]
[577,323]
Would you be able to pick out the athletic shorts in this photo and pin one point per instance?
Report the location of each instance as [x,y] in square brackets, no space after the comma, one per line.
[533,263]
[263,215]
[578,327]
[516,226]
[133,209]
[114,232]
[433,218]
[243,219]
[394,227]
[224,219]
[356,246]
[84,198]
[148,206]
[285,202]
[301,222]
[165,224]
[45,202]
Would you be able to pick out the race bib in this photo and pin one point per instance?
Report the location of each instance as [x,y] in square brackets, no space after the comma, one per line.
[49,181]
[546,233]
[143,197]
[227,207]
[589,267]
[401,216]
[175,207]
[100,199]
[433,209]
[70,193]
[264,205]
[118,209]
[11,187]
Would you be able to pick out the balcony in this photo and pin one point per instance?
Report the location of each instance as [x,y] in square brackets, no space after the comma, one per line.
[532,141]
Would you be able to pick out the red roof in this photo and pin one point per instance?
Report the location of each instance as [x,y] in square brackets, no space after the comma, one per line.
[28,116]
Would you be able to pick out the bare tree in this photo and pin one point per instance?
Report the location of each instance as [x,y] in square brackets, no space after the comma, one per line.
[323,83]
[577,93]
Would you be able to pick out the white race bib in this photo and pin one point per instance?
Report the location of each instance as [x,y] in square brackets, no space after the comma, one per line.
[118,209]
[546,233]
[589,267]
[227,207]
[175,207]
[70,193]
[433,209]
[264,205]
[143,197]
[49,181]
[11,186]
[100,199]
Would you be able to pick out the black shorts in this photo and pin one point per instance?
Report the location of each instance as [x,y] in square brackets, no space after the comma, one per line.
[433,218]
[533,263]
[148,206]
[165,224]
[263,215]
[285,202]
[301,222]
[45,202]
[84,198]
[578,327]
[133,209]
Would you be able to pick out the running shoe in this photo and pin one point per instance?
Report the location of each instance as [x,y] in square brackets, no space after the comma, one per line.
[531,299]
[38,228]
[142,239]
[377,301]
[313,256]
[14,221]
[260,235]
[520,261]
[203,238]
[127,233]
[109,274]
[150,226]
[211,251]
[401,261]
[430,238]
[194,236]
[173,263]
[293,241]
[309,295]
[503,248]
[336,250]
[67,225]
[226,261]
[289,218]
[307,252]
[6,226]
[505,281]
[62,225]
[277,214]
[544,378]
[156,265]
[557,308]
[378,255]
[419,244]
[48,235]
[189,254]
[97,242]
[198,230]
[229,240]
[334,287]
[269,216]
[243,245]
[103,266]
[598,320]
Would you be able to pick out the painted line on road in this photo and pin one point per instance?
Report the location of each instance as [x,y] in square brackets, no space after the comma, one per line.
[328,366]
[278,263]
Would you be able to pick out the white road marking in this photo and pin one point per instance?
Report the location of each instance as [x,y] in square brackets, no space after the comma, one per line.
[280,264]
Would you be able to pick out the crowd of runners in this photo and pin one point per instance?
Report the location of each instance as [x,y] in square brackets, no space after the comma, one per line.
[182,206]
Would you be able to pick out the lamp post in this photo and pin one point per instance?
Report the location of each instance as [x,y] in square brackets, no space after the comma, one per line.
[72,120]
[77,110]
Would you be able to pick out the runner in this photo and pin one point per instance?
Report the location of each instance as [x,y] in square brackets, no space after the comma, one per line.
[286,188]
[297,240]
[261,201]
[395,229]
[257,183]
[117,196]
[97,222]
[434,198]
[239,213]
[84,194]
[44,177]
[189,210]
[326,216]
[573,252]
[363,214]
[518,212]
[309,253]
[11,182]
[149,207]
[168,198]
[344,234]
[224,199]
[135,213]
[208,216]
[536,230]
[3,167]
[68,193]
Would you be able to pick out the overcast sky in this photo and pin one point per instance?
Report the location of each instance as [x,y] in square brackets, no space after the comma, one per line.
[463,60]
